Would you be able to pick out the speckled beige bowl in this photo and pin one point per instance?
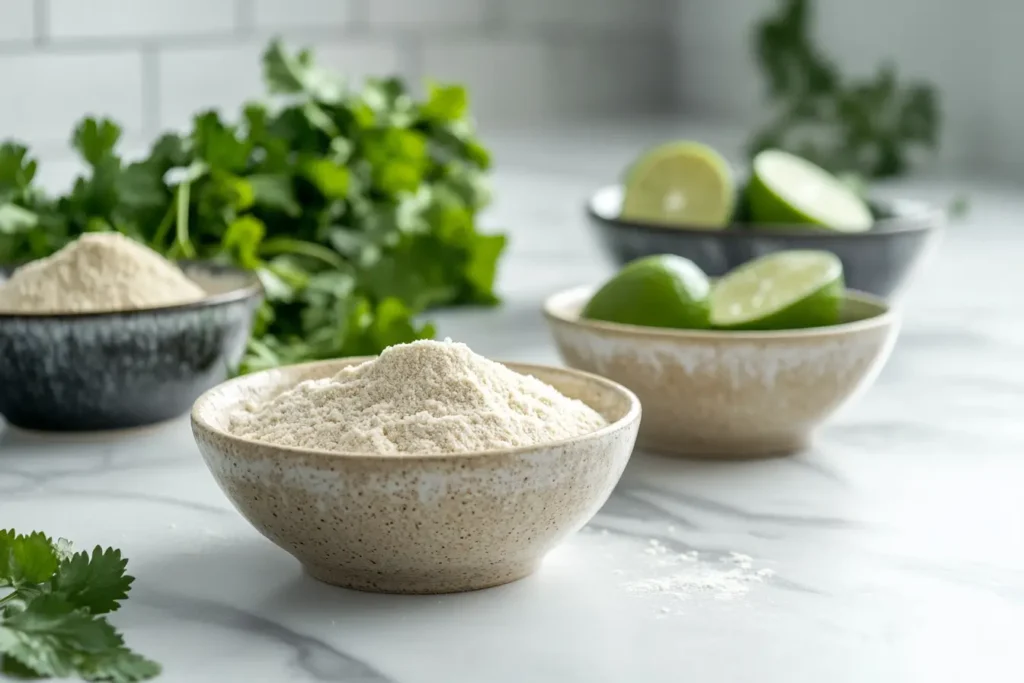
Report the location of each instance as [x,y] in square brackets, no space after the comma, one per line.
[730,394]
[417,523]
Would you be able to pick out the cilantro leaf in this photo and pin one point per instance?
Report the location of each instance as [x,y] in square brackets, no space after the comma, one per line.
[25,560]
[46,635]
[15,669]
[446,102]
[97,583]
[17,169]
[119,665]
[50,623]
[14,218]
[274,191]
[242,240]
[288,74]
[95,140]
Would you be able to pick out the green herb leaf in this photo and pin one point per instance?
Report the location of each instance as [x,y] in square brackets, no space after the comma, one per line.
[47,635]
[274,191]
[25,560]
[49,624]
[97,583]
[330,177]
[445,102]
[14,219]
[243,239]
[119,665]
[95,140]
[293,74]
[17,170]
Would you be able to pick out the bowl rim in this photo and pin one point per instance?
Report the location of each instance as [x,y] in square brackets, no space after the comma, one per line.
[919,217]
[631,416]
[554,310]
[251,289]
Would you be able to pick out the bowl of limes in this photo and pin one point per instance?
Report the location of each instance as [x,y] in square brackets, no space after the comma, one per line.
[683,198]
[746,365]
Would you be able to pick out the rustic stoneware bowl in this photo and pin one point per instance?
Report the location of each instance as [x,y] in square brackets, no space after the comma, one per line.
[95,371]
[881,261]
[724,394]
[417,523]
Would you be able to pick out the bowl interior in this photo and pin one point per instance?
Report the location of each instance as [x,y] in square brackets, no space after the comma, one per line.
[891,216]
[214,408]
[856,307]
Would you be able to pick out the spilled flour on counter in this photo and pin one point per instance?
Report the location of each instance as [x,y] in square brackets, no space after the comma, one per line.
[423,397]
[729,578]
[683,576]
[98,272]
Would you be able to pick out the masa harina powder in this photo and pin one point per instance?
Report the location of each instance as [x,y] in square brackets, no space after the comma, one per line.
[423,397]
[98,272]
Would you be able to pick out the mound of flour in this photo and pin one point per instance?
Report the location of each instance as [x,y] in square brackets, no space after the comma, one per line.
[98,272]
[423,397]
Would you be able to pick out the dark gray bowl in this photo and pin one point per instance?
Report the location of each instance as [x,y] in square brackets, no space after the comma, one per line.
[879,261]
[94,371]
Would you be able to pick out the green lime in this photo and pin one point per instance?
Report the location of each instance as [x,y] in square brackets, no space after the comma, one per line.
[785,188]
[654,291]
[679,184]
[781,291]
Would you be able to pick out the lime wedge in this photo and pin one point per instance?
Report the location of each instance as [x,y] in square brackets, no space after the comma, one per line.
[684,184]
[787,189]
[654,291]
[781,291]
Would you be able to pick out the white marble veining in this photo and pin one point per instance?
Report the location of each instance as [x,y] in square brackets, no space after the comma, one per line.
[896,544]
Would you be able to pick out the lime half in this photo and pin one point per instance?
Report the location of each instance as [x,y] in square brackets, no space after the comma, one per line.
[654,291]
[788,189]
[684,184]
[781,291]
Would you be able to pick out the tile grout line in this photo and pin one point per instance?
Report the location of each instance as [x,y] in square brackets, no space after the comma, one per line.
[358,16]
[245,18]
[151,90]
[410,60]
[40,22]
[493,17]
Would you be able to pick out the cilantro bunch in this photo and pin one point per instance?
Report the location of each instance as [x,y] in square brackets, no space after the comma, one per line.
[51,621]
[357,208]
[873,127]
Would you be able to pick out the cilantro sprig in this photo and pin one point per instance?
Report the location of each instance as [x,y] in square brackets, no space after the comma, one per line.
[52,602]
[357,207]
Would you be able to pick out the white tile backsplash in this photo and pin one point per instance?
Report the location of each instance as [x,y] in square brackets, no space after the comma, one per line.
[139,18]
[576,14]
[419,13]
[153,64]
[506,78]
[16,20]
[277,14]
[610,76]
[45,95]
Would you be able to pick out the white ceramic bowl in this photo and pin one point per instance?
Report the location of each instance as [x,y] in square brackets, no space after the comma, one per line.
[417,523]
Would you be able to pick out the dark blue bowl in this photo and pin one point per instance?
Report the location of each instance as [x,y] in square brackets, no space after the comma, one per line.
[879,261]
[78,372]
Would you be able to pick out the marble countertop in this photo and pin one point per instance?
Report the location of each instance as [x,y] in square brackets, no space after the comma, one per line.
[892,551]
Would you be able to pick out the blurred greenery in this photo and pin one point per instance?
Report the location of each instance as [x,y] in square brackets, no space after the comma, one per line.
[870,127]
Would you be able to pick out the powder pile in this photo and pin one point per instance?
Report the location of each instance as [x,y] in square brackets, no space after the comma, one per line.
[423,397]
[99,272]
